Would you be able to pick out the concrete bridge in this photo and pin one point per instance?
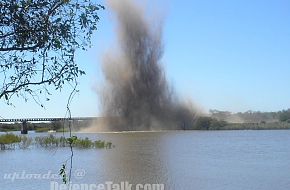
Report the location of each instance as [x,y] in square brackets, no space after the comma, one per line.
[24,121]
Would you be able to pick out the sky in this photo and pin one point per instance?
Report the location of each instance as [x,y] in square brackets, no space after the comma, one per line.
[228,55]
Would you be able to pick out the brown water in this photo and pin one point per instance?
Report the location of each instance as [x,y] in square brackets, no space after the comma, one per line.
[183,160]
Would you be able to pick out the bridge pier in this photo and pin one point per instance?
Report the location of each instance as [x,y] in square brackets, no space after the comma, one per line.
[24,129]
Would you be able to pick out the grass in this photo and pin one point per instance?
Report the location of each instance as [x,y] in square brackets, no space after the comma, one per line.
[50,141]
[65,130]
[8,141]
[86,143]
[11,141]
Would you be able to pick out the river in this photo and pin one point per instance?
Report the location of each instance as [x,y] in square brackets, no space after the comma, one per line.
[181,160]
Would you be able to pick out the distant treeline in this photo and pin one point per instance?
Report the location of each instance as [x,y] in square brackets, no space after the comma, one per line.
[58,126]
[217,120]
[210,123]
[251,116]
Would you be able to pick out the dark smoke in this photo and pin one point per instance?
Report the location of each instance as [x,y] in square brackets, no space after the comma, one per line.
[136,95]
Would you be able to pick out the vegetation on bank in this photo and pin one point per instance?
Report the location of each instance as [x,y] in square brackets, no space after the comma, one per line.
[257,126]
[52,141]
[10,127]
[46,129]
[58,126]
[200,123]
[11,141]
[209,123]
[252,116]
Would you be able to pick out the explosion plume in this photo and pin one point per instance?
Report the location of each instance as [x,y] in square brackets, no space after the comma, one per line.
[136,94]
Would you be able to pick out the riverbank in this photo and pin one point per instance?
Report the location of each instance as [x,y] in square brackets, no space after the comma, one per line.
[256,126]
[201,124]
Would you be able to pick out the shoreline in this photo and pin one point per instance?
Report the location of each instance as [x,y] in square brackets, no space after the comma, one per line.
[44,128]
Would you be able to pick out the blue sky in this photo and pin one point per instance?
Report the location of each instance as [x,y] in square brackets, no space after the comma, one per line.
[228,55]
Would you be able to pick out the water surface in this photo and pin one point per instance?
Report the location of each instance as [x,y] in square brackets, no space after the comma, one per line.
[182,160]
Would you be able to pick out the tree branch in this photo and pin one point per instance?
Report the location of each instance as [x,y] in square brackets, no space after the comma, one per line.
[21,48]
[33,83]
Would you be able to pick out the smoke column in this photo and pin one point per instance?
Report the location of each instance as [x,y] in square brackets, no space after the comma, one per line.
[136,95]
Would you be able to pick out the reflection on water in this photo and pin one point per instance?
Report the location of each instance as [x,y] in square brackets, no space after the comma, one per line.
[202,160]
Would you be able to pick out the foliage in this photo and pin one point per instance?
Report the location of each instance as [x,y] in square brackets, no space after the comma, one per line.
[8,141]
[257,126]
[246,117]
[208,123]
[49,141]
[10,127]
[86,143]
[38,40]
[57,125]
[62,173]
[52,141]
[42,130]
[252,116]
[42,126]
[284,115]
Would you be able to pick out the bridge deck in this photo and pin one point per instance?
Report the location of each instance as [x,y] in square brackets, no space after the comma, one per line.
[48,119]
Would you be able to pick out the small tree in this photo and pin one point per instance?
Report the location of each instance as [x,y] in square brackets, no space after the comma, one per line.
[38,40]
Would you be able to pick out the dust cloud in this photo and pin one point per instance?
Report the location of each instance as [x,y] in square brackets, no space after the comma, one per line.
[136,95]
